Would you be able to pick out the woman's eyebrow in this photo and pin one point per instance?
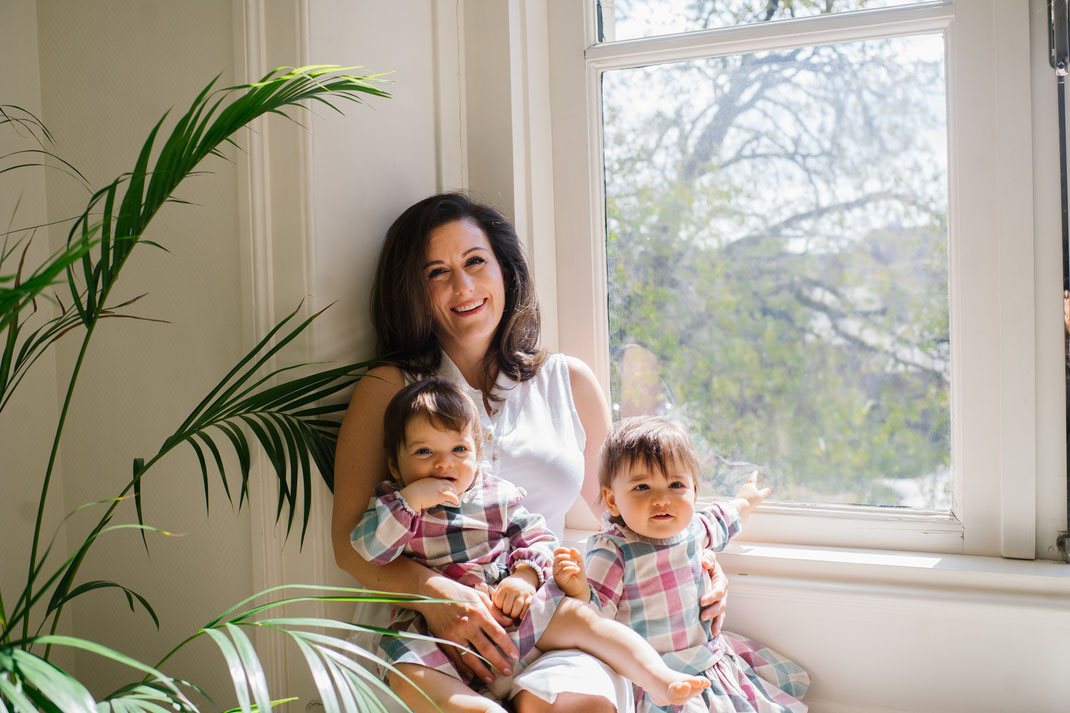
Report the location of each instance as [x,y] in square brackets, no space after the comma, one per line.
[429,263]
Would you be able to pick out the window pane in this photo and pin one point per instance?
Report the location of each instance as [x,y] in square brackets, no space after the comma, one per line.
[629,19]
[777,265]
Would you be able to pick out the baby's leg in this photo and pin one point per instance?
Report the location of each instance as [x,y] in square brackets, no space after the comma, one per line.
[448,693]
[575,625]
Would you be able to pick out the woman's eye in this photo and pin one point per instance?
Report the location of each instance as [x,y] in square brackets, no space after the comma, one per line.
[475,260]
[436,272]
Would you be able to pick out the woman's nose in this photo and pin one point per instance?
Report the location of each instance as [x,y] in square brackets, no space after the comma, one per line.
[462,282]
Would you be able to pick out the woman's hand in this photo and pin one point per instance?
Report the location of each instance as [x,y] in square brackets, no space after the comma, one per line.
[713,601]
[472,621]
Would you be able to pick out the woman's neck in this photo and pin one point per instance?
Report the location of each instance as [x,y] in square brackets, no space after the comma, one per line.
[470,362]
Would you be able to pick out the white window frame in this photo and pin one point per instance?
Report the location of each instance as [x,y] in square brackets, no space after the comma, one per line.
[993,301]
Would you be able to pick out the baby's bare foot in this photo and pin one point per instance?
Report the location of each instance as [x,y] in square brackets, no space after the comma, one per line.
[679,690]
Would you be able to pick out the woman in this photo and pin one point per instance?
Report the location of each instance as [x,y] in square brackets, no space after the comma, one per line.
[453,298]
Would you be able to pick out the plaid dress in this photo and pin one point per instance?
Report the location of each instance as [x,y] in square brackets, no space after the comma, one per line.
[482,540]
[654,586]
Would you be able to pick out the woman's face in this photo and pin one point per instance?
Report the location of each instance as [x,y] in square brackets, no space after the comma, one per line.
[465,285]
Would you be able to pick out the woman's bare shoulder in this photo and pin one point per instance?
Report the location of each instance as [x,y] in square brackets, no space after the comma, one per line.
[580,375]
[587,394]
[387,372]
[385,378]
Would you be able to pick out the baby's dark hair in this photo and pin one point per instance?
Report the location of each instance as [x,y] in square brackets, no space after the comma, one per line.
[445,405]
[652,441]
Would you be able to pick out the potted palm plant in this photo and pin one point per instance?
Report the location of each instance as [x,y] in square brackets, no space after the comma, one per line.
[290,413]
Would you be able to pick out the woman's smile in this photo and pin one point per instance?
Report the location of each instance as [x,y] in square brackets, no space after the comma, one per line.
[469,306]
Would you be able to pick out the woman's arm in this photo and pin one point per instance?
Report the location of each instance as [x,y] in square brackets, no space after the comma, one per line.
[360,463]
[593,410]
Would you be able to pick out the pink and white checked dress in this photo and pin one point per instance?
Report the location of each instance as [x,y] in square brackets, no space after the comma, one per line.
[654,586]
[481,540]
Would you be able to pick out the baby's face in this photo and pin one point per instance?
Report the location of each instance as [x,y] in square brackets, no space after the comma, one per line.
[651,502]
[431,452]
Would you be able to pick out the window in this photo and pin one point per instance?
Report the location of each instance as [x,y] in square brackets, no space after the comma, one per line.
[777,242]
[628,19]
[813,238]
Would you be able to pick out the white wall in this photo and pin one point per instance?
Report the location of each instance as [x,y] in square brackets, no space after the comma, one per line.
[105,74]
[28,422]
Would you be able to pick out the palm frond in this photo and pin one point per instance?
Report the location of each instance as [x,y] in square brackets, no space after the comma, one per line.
[286,418]
[23,347]
[44,685]
[25,123]
[129,203]
[343,682]
[30,683]
[63,579]
[130,594]
[17,292]
[121,211]
[140,698]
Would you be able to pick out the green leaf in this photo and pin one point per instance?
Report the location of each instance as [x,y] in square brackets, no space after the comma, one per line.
[139,466]
[15,695]
[274,703]
[218,462]
[150,696]
[204,473]
[17,297]
[100,584]
[253,670]
[320,675]
[238,675]
[52,684]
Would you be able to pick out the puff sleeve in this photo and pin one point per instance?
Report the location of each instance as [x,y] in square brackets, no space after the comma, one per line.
[385,527]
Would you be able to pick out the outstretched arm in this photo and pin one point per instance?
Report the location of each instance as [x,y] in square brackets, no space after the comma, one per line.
[749,496]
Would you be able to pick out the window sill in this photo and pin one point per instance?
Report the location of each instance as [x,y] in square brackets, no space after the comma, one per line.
[954,576]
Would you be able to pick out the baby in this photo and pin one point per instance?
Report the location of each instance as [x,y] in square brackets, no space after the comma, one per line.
[645,568]
[443,512]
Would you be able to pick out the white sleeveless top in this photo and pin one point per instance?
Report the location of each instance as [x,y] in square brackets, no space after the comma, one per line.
[533,438]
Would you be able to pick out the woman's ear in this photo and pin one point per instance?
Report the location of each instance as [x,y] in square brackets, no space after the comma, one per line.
[611,502]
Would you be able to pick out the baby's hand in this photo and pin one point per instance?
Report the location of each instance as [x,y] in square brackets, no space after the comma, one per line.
[749,496]
[513,594]
[429,492]
[570,574]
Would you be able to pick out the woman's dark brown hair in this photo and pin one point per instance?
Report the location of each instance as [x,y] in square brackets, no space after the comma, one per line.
[401,307]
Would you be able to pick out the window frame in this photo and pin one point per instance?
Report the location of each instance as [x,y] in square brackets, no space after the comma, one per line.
[992,297]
